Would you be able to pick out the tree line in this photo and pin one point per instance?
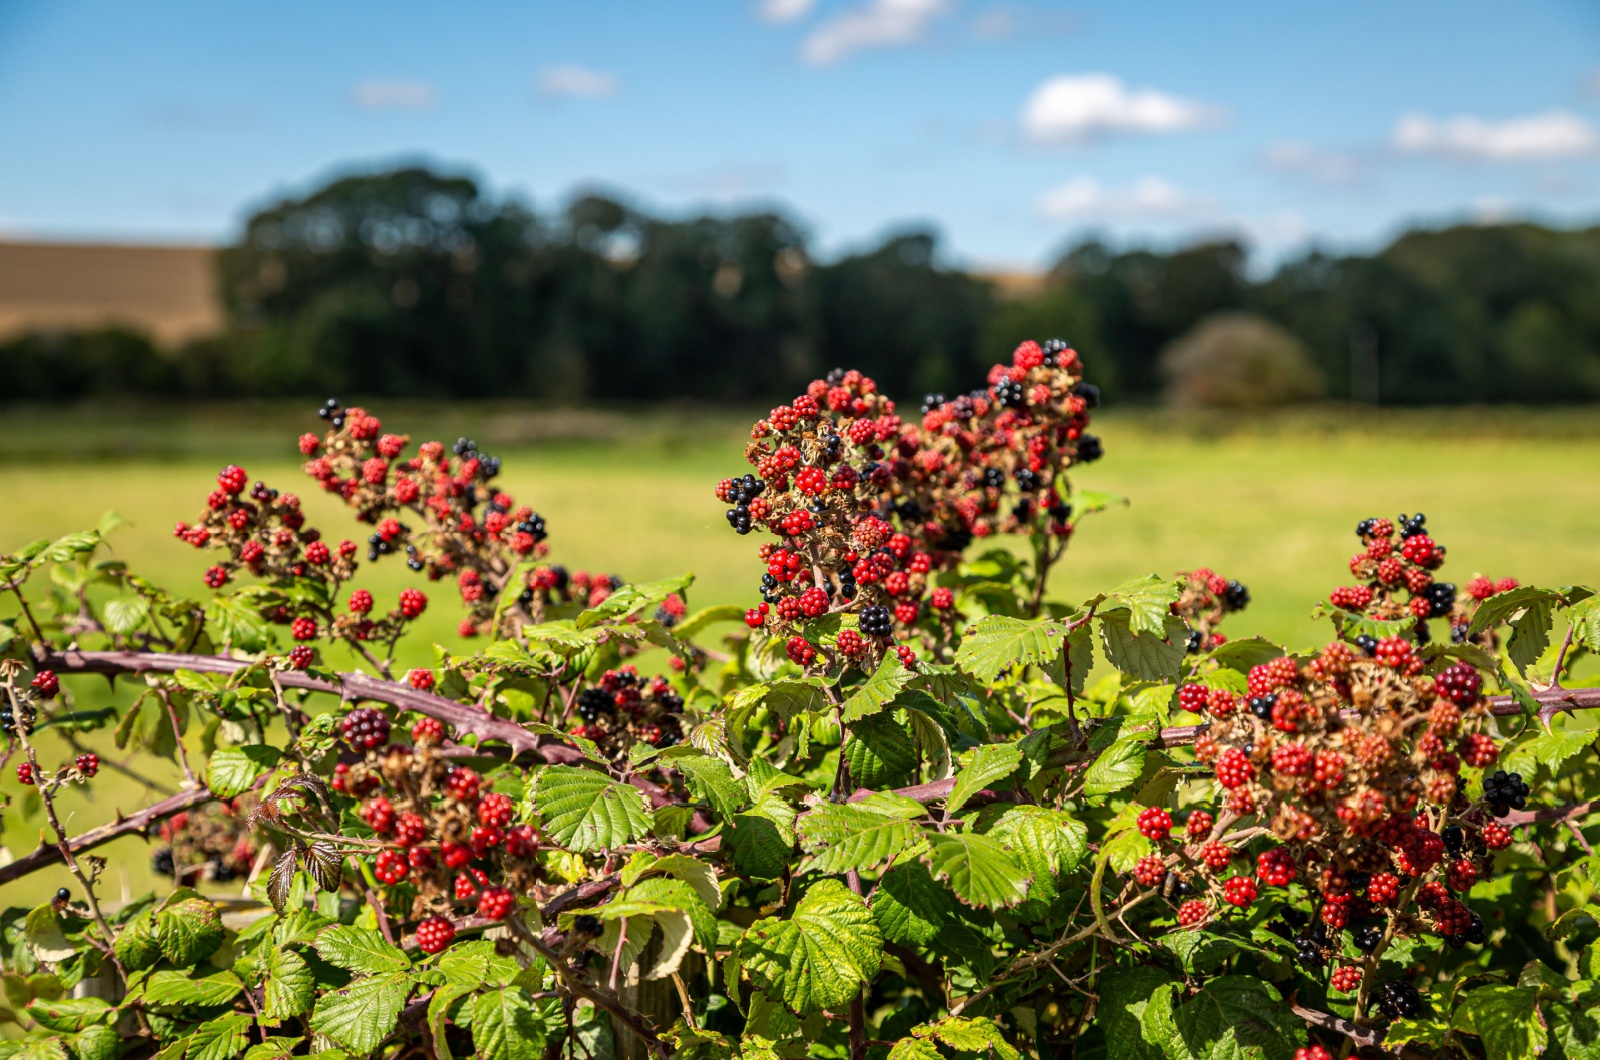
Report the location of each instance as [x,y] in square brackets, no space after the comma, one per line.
[410,283]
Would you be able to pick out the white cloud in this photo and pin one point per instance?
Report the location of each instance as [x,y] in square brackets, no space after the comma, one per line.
[1554,135]
[1307,160]
[1148,198]
[577,82]
[394,94]
[875,24]
[784,11]
[1073,108]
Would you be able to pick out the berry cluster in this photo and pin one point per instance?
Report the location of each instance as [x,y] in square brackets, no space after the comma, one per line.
[1204,599]
[213,842]
[867,507]
[624,709]
[1353,760]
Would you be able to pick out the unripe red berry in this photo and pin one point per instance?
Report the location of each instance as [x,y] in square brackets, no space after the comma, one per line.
[1216,854]
[391,867]
[496,903]
[434,934]
[496,809]
[1150,870]
[88,764]
[1496,836]
[1155,823]
[427,729]
[1276,867]
[1234,769]
[46,683]
[1239,891]
[378,814]
[1346,980]
[1193,698]
[365,728]
[25,773]
[412,602]
[303,628]
[1312,1052]
[360,602]
[301,656]
[463,783]
[1193,912]
[233,479]
[1199,824]
[455,855]
[1383,888]
[410,829]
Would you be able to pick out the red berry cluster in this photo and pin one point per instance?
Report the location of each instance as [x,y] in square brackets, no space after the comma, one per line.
[624,708]
[214,842]
[1205,598]
[866,506]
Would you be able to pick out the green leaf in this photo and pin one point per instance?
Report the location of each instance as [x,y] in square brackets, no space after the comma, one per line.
[1124,993]
[707,616]
[1241,655]
[45,937]
[364,1013]
[1551,749]
[232,770]
[914,1049]
[1114,768]
[981,767]
[98,1042]
[290,986]
[879,752]
[34,1049]
[1424,1031]
[999,642]
[188,931]
[909,906]
[712,780]
[68,1014]
[358,949]
[840,837]
[1046,843]
[633,598]
[1585,619]
[978,869]
[506,1027]
[136,945]
[1505,1017]
[586,810]
[889,681]
[1148,601]
[168,988]
[1501,606]
[125,616]
[760,847]
[1575,1031]
[821,956]
[1236,1017]
[236,620]
[1143,655]
[69,547]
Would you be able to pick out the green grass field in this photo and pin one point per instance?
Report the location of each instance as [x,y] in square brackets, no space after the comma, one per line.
[1273,503]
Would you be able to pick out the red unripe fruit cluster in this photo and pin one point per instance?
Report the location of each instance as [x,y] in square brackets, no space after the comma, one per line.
[434,934]
[1155,823]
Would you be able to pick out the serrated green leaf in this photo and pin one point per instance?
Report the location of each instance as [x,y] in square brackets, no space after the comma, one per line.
[136,947]
[879,752]
[914,1049]
[289,986]
[232,770]
[999,642]
[1530,635]
[364,1013]
[42,929]
[358,949]
[125,615]
[1552,748]
[1145,656]
[188,931]
[1506,1018]
[98,1042]
[841,836]
[981,767]
[505,1026]
[1235,1017]
[970,1035]
[909,906]
[168,988]
[1115,768]
[633,598]
[1124,993]
[1241,655]
[819,957]
[693,623]
[1046,843]
[978,869]
[586,810]
[890,679]
[68,1014]
[711,779]
[760,847]
[1148,601]
[1502,606]
[34,1049]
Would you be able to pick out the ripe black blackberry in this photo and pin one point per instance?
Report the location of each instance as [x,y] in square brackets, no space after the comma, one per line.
[1442,598]
[1090,449]
[585,924]
[1027,479]
[1474,935]
[1090,394]
[1196,641]
[1261,706]
[994,478]
[365,728]
[161,862]
[593,702]
[1367,938]
[1364,527]
[1236,597]
[1368,644]
[1454,839]
[1008,394]
[1398,998]
[533,526]
[1504,792]
[875,621]
[1411,525]
[931,402]
[10,717]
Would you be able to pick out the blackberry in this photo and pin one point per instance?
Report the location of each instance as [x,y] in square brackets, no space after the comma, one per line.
[1454,839]
[1368,644]
[1459,633]
[584,924]
[1051,348]
[994,478]
[11,717]
[62,894]
[329,408]
[1010,395]
[1261,706]
[1367,938]
[365,728]
[834,377]
[1504,792]
[1364,527]
[1397,998]
[875,621]
[534,527]
[1027,479]
[1196,641]
[1090,394]
[1424,634]
[1022,511]
[1236,597]
[593,702]
[1090,449]
[1442,597]
[1296,917]
[221,871]
[1061,513]
[161,862]
[931,402]
[1411,525]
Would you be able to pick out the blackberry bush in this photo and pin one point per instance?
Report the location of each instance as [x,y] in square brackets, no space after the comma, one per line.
[898,803]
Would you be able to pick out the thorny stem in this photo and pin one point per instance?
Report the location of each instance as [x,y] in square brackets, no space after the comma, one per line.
[177,736]
[16,590]
[1561,656]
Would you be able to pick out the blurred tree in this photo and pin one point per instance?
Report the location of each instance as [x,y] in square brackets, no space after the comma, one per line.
[1237,360]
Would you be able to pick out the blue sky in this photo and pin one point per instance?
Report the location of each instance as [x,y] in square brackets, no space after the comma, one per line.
[1011,127]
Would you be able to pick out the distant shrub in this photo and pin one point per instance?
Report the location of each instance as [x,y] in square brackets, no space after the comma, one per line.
[1238,360]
